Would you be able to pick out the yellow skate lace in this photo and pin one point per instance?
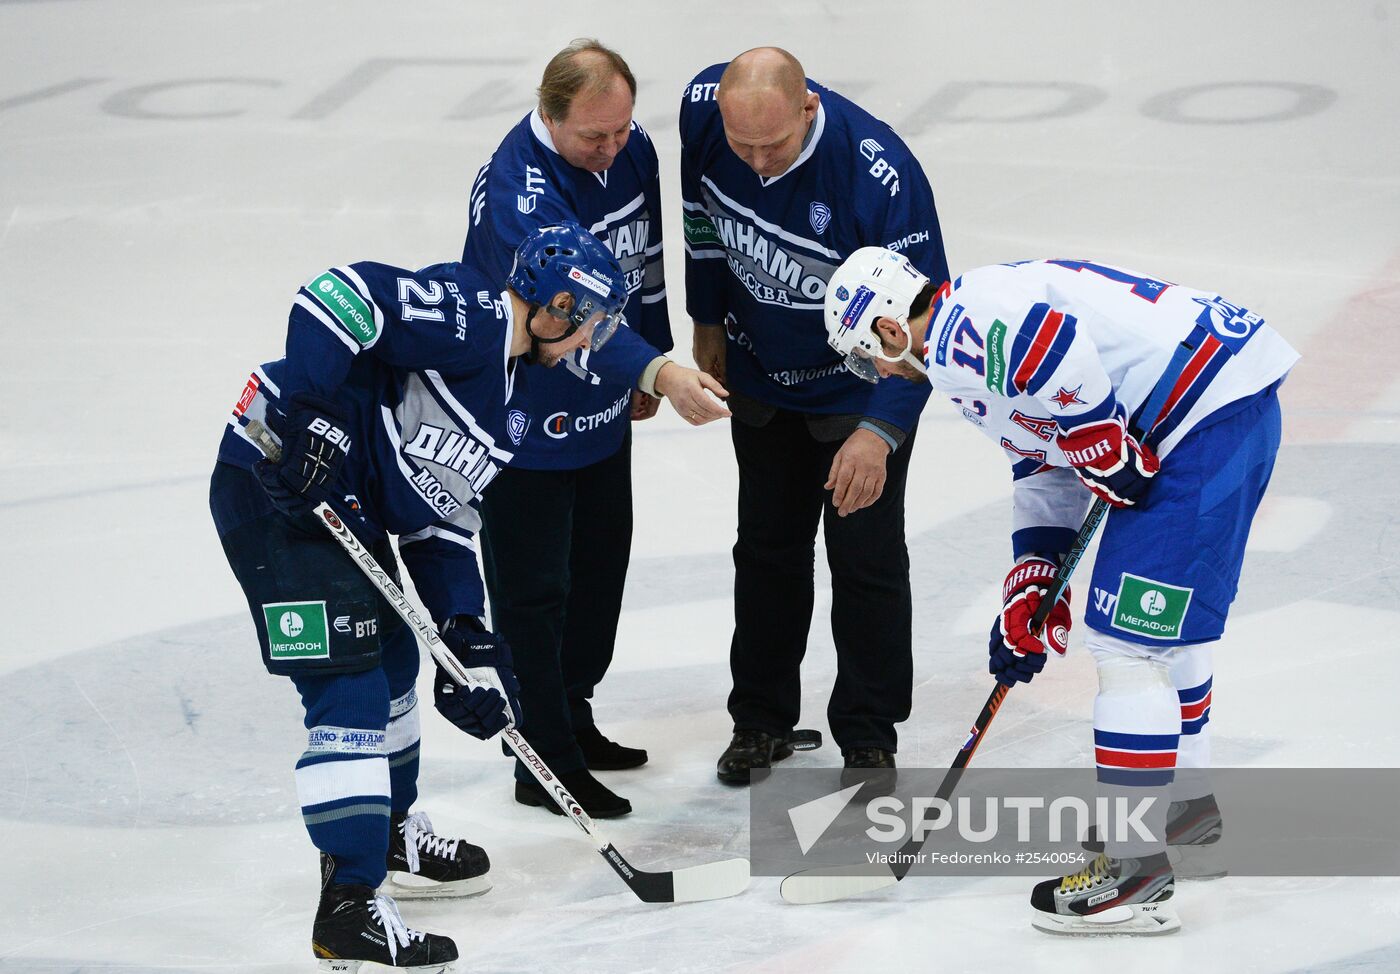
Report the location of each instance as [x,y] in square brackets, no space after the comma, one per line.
[1089,877]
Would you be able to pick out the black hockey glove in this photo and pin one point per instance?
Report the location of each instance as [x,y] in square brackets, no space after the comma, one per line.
[314,445]
[482,711]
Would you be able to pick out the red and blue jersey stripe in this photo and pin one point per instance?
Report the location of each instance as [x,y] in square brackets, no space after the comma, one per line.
[1201,368]
[1041,343]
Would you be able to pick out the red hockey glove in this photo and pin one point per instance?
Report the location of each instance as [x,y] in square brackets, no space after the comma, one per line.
[1015,654]
[1111,463]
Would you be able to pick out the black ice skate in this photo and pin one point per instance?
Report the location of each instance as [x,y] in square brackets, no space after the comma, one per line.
[1193,839]
[423,865]
[1125,896]
[355,926]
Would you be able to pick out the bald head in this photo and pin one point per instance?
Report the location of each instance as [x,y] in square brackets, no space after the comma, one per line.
[767,109]
[764,72]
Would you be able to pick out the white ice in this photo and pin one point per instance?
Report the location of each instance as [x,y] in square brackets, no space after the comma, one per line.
[170,172]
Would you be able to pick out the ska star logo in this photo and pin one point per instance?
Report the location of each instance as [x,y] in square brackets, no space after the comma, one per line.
[1066,398]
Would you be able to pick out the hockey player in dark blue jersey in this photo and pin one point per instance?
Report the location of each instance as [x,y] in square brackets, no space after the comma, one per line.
[782,179]
[556,577]
[399,400]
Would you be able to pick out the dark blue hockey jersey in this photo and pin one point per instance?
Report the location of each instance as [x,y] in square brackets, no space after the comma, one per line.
[436,407]
[759,252]
[527,184]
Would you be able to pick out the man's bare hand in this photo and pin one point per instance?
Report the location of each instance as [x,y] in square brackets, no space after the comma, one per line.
[709,350]
[857,475]
[643,406]
[688,391]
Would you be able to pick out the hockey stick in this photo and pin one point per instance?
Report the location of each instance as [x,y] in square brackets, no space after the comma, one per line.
[824,884]
[708,881]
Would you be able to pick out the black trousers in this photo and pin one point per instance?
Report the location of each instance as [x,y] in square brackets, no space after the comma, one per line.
[781,499]
[555,547]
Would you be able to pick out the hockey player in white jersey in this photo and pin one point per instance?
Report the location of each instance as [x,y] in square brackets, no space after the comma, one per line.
[1055,360]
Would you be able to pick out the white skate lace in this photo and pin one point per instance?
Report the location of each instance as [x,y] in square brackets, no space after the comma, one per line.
[418,833]
[396,933]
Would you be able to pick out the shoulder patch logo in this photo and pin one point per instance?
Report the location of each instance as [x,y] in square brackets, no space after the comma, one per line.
[347,307]
[870,148]
[699,230]
[534,186]
[996,358]
[819,214]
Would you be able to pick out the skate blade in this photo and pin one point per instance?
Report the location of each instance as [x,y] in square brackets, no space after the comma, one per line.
[407,886]
[1137,920]
[1201,862]
[367,966]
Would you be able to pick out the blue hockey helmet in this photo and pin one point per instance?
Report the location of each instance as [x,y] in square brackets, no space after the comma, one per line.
[566,257]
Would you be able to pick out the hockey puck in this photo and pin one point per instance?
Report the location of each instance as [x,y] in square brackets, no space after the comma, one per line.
[805,740]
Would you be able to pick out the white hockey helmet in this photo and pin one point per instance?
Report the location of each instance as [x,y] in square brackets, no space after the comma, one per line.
[872,283]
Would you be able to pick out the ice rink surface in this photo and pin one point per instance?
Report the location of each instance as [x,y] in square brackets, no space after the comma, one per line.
[170,172]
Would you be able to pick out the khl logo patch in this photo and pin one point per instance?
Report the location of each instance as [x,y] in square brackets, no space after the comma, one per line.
[820,216]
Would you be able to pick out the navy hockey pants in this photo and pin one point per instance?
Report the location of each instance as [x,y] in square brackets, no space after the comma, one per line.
[351,658]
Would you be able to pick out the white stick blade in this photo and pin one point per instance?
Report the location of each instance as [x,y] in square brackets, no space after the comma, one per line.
[711,881]
[837,883]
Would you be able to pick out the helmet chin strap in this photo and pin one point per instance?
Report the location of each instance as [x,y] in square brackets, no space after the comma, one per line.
[907,355]
[533,355]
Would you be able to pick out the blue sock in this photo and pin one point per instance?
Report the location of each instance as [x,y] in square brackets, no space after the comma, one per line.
[343,776]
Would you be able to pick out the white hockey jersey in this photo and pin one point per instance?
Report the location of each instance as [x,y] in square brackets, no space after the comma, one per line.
[1030,348]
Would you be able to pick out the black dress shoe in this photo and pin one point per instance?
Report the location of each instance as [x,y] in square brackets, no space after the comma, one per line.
[605,755]
[748,750]
[872,767]
[587,790]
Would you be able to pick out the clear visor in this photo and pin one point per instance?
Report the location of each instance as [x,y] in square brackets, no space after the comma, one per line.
[601,326]
[860,361]
[861,365]
[597,324]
